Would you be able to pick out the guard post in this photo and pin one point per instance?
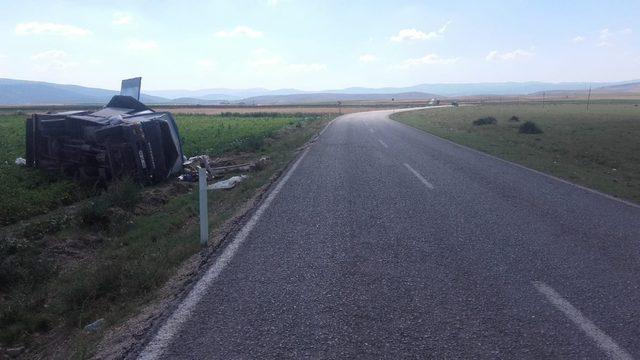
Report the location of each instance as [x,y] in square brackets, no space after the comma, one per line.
[204,212]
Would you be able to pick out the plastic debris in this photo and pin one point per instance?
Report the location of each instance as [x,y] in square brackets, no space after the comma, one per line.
[14,351]
[94,326]
[188,177]
[21,161]
[227,184]
[191,166]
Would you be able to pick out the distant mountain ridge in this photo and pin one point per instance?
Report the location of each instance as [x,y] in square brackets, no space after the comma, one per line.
[23,92]
[453,89]
[307,98]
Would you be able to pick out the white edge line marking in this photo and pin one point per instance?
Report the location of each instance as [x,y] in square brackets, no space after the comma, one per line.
[326,127]
[417,174]
[593,191]
[172,326]
[604,342]
[383,144]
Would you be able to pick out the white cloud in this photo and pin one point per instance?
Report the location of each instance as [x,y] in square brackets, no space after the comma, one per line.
[239,31]
[429,59]
[37,28]
[122,18]
[367,58]
[50,60]
[604,37]
[262,58]
[605,34]
[508,56]
[414,34]
[140,44]
[607,37]
[578,39]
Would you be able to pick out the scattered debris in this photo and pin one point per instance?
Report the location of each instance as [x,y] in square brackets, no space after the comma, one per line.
[190,168]
[217,167]
[227,184]
[21,161]
[255,165]
[188,178]
[94,326]
[14,351]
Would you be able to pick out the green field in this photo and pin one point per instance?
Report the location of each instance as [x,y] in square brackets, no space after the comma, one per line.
[30,192]
[599,149]
[59,272]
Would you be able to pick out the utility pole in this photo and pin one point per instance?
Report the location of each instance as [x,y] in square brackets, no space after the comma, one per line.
[543,95]
[588,98]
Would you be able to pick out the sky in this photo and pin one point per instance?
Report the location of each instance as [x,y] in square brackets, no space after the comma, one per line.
[316,45]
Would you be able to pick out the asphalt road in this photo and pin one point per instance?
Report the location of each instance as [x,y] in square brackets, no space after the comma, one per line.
[387,242]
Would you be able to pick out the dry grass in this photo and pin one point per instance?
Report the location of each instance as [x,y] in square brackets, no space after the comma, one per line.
[215,110]
[598,149]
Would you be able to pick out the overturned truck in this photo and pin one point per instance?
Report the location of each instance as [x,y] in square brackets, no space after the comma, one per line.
[123,139]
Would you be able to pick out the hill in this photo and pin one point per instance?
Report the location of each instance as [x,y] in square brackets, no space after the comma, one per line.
[23,92]
[333,97]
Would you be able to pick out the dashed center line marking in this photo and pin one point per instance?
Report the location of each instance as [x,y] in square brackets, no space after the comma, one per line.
[417,174]
[383,144]
[604,342]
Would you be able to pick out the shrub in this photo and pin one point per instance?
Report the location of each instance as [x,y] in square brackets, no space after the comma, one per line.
[123,194]
[514,119]
[529,127]
[489,120]
[94,213]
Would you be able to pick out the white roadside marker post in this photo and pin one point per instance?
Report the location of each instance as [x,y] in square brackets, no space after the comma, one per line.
[204,216]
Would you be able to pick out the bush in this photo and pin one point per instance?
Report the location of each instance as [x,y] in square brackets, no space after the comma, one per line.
[94,213]
[101,210]
[489,120]
[514,119]
[529,127]
[124,193]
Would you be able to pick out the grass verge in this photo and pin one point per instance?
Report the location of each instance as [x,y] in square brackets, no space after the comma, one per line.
[598,149]
[60,273]
[31,192]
